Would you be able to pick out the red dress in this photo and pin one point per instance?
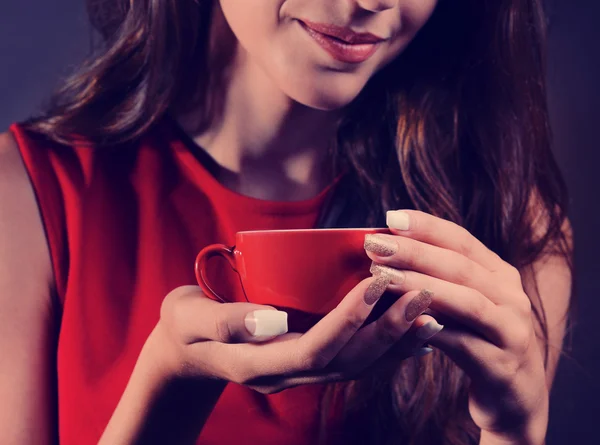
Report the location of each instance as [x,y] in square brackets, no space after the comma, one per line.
[124,226]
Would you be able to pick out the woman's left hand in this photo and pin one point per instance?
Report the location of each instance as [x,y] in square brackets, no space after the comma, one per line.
[489,330]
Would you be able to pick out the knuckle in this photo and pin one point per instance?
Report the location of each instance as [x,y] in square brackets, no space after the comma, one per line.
[411,252]
[353,321]
[223,332]
[167,306]
[507,367]
[520,338]
[465,273]
[166,310]
[390,327]
[514,274]
[466,243]
[171,304]
[525,306]
[236,369]
[462,346]
[478,308]
[313,360]
[170,316]
[317,361]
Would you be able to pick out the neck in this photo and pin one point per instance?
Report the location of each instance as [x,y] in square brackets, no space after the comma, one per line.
[270,147]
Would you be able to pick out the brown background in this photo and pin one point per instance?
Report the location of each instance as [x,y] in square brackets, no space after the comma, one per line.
[40,40]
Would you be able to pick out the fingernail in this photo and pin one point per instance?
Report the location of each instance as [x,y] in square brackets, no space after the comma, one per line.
[417,305]
[376,289]
[396,275]
[428,330]
[423,351]
[397,219]
[380,245]
[266,323]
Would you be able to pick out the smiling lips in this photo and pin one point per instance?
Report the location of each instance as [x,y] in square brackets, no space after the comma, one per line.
[343,44]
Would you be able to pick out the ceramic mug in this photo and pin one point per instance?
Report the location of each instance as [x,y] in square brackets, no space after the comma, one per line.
[305,272]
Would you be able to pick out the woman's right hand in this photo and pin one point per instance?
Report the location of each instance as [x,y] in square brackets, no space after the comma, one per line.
[213,340]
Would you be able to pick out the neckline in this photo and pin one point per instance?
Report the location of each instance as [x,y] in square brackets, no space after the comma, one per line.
[205,166]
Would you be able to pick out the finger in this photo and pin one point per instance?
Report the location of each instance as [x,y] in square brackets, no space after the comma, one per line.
[413,345]
[411,342]
[324,341]
[312,351]
[374,340]
[461,303]
[476,356]
[442,233]
[198,318]
[405,253]
[346,366]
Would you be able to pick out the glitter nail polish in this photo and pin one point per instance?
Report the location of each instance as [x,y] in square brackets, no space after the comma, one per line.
[380,245]
[417,305]
[376,289]
[396,275]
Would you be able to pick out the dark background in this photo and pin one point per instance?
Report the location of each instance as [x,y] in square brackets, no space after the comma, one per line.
[40,41]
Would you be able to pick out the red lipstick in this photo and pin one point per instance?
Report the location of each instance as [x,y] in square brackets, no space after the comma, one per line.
[341,43]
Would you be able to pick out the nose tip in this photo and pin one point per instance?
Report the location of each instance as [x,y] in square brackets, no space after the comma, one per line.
[377,5]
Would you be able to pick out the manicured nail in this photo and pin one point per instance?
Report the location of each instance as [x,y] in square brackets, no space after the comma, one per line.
[380,245]
[423,351]
[428,330]
[376,289]
[266,323]
[397,219]
[397,276]
[417,305]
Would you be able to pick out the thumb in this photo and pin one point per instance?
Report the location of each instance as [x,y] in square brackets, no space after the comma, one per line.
[264,322]
[199,318]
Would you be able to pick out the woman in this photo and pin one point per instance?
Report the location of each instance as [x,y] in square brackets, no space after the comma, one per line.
[198,119]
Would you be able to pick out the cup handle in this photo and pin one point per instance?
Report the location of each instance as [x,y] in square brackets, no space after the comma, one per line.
[202,259]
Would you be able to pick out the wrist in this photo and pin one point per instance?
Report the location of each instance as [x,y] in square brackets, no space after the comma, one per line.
[533,433]
[160,405]
[177,401]
[527,429]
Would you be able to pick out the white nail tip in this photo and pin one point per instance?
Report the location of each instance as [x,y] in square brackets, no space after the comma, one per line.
[267,323]
[423,351]
[428,330]
[396,219]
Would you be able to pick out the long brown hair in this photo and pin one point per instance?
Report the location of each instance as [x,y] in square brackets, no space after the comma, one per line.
[457,126]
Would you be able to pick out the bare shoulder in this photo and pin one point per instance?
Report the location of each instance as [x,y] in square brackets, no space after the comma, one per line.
[12,170]
[26,314]
[19,214]
[25,254]
[8,145]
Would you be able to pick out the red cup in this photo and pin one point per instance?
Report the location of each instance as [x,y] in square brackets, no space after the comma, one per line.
[304,272]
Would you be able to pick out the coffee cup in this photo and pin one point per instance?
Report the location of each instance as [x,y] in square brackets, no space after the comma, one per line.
[304,272]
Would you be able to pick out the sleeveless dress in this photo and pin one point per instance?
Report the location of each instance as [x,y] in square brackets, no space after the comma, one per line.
[124,225]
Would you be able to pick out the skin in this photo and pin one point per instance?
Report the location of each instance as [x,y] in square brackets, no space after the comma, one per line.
[491,334]
[285,94]
[280,110]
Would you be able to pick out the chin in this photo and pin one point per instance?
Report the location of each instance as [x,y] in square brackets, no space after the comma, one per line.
[326,96]
[325,102]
